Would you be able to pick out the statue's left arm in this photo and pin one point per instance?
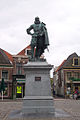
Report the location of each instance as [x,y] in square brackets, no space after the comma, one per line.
[29,29]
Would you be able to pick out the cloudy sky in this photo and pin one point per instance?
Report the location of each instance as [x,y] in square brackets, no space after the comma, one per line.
[62,18]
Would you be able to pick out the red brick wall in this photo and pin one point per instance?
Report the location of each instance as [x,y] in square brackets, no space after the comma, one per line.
[10,90]
[10,73]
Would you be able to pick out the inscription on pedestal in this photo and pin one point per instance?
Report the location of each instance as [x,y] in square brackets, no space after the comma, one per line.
[38,79]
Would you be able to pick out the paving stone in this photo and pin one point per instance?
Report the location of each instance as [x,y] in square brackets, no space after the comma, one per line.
[71,107]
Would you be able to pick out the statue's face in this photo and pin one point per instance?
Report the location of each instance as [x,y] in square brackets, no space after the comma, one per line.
[37,20]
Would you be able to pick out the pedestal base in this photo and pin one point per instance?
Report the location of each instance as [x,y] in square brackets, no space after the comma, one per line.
[38,104]
[38,99]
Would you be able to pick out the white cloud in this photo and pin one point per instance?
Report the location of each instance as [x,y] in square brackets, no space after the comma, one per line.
[62,18]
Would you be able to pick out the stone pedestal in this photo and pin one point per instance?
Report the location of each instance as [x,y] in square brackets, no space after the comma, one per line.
[38,98]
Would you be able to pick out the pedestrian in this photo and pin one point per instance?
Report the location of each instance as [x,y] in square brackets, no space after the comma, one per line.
[76,93]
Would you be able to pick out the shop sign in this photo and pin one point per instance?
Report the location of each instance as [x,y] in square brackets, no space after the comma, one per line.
[20,80]
[19,89]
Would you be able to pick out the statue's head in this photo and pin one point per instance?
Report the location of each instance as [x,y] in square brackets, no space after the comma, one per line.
[37,21]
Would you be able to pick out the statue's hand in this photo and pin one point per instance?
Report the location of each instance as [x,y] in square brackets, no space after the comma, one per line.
[31,34]
[34,35]
[41,34]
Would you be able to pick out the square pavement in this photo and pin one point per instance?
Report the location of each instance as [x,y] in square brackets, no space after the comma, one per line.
[70,106]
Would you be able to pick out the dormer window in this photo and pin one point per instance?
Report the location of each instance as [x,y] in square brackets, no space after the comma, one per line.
[28,52]
[75,61]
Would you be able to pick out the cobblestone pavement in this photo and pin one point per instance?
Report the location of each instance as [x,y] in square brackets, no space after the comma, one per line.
[72,107]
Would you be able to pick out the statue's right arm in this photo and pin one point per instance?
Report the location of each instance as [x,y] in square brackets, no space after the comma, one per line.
[29,29]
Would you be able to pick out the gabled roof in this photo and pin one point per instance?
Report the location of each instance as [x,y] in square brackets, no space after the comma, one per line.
[72,55]
[9,56]
[60,65]
[68,62]
[4,57]
[23,51]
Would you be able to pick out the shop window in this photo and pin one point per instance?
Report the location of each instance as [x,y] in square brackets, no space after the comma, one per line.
[19,91]
[6,90]
[5,74]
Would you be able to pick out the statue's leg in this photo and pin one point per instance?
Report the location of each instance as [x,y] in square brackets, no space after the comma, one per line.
[39,52]
[36,52]
[39,47]
[32,51]
[33,44]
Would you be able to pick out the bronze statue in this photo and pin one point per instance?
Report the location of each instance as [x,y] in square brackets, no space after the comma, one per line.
[39,40]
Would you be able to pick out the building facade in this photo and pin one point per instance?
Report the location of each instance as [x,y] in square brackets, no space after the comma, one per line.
[18,72]
[6,70]
[67,75]
[11,69]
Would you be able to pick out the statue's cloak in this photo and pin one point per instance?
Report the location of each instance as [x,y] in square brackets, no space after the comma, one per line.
[45,37]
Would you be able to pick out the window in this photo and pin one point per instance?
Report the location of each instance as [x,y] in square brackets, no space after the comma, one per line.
[68,75]
[5,74]
[76,61]
[19,68]
[76,75]
[28,52]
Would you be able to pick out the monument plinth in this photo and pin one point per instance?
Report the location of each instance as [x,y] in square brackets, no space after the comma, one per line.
[38,98]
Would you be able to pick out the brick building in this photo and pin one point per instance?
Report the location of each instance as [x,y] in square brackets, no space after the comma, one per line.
[6,70]
[11,69]
[18,72]
[67,75]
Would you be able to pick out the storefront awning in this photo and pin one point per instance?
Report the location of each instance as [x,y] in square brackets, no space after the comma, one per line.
[20,80]
[74,79]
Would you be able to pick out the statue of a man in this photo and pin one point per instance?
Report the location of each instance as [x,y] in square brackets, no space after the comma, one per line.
[39,40]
